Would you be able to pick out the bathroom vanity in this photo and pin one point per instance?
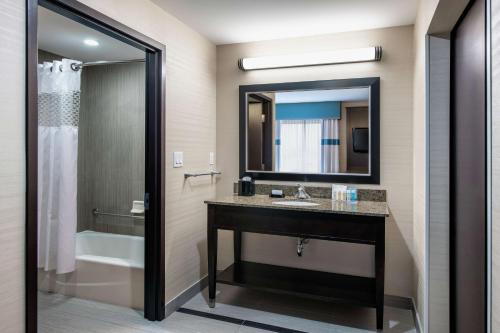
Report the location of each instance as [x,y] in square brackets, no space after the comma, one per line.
[324,131]
[362,222]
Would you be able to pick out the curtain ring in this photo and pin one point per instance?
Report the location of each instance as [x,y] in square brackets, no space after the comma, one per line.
[76,67]
[60,68]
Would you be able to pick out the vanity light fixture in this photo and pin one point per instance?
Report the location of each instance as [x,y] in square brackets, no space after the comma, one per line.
[364,54]
[91,42]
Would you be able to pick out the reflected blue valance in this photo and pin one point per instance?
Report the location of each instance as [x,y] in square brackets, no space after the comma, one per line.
[330,142]
[313,110]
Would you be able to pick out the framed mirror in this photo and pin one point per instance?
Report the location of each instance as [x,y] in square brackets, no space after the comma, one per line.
[318,131]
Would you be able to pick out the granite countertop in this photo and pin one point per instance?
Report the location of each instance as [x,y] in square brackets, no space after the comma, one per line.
[369,208]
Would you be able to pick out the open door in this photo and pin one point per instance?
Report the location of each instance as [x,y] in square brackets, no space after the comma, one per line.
[468,172]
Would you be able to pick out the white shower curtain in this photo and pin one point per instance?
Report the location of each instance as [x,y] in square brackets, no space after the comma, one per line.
[330,146]
[299,146]
[58,113]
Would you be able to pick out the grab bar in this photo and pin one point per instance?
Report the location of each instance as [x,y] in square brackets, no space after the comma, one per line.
[211,173]
[97,212]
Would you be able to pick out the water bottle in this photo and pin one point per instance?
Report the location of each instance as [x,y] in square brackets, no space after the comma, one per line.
[354,195]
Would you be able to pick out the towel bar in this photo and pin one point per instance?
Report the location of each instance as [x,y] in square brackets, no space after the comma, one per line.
[211,173]
[97,212]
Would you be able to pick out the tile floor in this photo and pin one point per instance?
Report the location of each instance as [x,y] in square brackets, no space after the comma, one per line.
[243,311]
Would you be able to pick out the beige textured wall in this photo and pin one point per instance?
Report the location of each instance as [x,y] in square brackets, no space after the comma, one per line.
[12,165]
[435,17]
[395,71]
[190,127]
[425,13]
[438,192]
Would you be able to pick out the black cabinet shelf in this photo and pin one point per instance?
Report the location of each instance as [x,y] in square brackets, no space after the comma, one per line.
[306,283]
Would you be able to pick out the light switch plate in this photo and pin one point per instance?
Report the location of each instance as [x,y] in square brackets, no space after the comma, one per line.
[178,159]
[212,158]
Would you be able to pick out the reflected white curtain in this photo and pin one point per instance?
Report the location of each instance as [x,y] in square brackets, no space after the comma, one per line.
[300,146]
[330,146]
[58,113]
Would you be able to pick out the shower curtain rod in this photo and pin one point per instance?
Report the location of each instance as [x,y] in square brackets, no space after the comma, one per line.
[75,66]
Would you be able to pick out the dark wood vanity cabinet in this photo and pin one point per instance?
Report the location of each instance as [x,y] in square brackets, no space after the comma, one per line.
[362,229]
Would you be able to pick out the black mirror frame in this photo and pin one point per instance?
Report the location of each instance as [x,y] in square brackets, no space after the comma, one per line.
[371,82]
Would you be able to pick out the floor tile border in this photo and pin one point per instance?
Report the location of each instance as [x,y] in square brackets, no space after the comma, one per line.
[238,321]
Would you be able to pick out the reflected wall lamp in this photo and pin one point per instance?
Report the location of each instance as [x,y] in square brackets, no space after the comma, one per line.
[364,54]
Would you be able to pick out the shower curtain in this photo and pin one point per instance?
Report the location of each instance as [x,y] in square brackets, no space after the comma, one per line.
[299,146]
[58,113]
[330,146]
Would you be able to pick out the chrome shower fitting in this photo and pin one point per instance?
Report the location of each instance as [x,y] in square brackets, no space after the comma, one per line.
[301,193]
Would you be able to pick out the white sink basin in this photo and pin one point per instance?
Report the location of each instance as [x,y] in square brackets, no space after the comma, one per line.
[295,203]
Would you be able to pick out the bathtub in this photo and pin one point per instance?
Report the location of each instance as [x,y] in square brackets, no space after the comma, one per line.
[109,268]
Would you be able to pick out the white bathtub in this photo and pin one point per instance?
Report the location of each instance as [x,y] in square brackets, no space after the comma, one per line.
[109,268]
[112,249]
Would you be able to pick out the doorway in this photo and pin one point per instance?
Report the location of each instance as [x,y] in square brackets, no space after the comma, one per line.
[95,160]
[260,132]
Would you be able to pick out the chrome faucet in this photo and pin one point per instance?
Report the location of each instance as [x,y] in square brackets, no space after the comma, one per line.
[301,193]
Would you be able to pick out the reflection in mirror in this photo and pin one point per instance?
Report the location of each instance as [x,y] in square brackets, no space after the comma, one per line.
[260,132]
[310,131]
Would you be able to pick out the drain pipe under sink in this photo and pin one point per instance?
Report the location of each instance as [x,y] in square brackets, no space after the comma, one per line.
[301,242]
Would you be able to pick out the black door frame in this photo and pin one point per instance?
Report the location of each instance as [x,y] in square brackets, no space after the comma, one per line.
[154,274]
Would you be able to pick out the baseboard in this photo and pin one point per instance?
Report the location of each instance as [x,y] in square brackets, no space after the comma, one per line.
[398,302]
[178,301]
[407,303]
[416,317]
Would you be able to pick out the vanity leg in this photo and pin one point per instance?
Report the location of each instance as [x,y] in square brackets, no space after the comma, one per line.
[237,246]
[379,274]
[212,255]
